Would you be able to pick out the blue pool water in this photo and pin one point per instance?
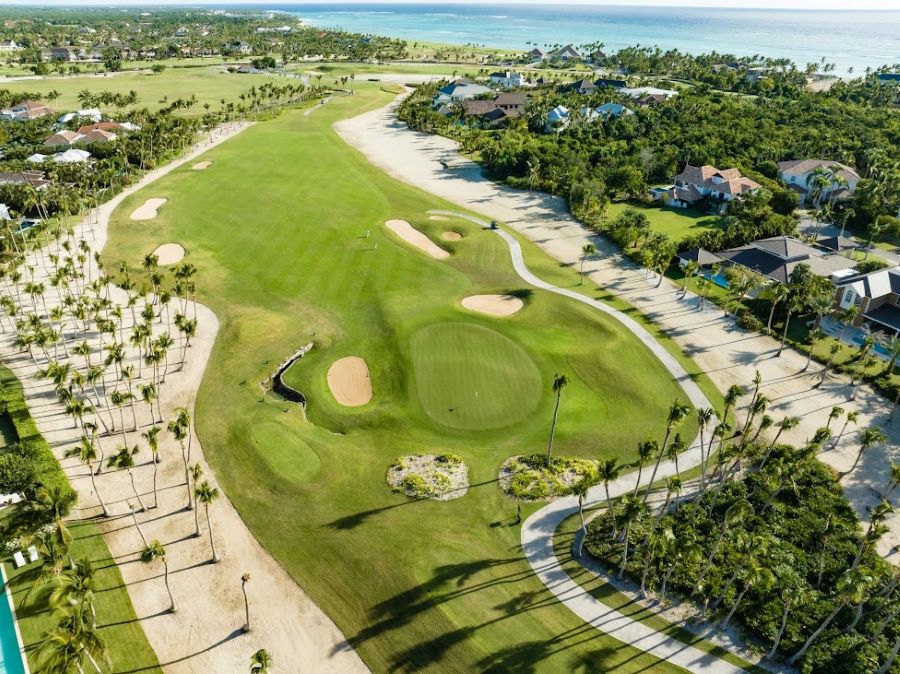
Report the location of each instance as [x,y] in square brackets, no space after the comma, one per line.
[719,279]
[10,652]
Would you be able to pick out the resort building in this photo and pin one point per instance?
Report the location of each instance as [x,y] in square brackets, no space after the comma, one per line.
[584,87]
[459,90]
[36,179]
[509,80]
[92,114]
[799,174]
[567,53]
[651,92]
[697,184]
[537,55]
[878,297]
[557,119]
[26,110]
[63,138]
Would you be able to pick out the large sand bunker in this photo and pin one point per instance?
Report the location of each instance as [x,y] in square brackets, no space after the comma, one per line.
[169,253]
[348,379]
[493,305]
[202,165]
[148,210]
[451,236]
[416,238]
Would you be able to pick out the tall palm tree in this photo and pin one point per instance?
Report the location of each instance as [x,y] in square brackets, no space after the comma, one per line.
[852,588]
[73,641]
[632,509]
[73,587]
[181,433]
[894,481]
[261,660]
[150,554]
[705,415]
[206,495]
[793,304]
[244,580]
[646,451]
[196,472]
[609,471]
[587,250]
[677,413]
[786,424]
[795,593]
[755,575]
[737,512]
[86,451]
[151,437]
[123,459]
[868,438]
[560,381]
[851,418]
[690,270]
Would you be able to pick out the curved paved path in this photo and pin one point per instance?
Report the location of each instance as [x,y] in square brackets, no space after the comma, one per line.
[538,530]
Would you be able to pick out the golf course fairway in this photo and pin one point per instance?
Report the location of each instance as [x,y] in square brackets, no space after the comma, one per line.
[287,234]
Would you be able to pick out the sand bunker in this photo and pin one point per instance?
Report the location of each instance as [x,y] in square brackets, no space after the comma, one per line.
[348,379]
[439,218]
[452,236]
[493,305]
[415,238]
[169,253]
[202,165]
[148,210]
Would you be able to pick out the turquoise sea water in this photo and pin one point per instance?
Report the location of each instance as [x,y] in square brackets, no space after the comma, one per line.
[856,39]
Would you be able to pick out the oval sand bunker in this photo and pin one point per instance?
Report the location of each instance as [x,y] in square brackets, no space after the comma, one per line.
[148,210]
[169,253]
[452,236]
[202,165]
[493,305]
[348,379]
[414,237]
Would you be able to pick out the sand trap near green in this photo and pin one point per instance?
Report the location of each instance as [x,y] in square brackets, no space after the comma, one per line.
[471,377]
[414,237]
[169,253]
[349,381]
[493,305]
[147,210]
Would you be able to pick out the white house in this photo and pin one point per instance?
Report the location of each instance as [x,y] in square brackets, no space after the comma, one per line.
[798,175]
[509,80]
[93,114]
[72,156]
[459,90]
[696,183]
[567,53]
[7,46]
[611,110]
[37,158]
[557,119]
[537,55]
[639,92]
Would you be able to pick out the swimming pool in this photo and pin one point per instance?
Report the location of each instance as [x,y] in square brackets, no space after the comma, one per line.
[11,655]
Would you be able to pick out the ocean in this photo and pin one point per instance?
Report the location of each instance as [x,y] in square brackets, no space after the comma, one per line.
[850,39]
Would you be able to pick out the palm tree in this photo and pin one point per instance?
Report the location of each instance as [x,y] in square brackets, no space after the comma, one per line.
[196,471]
[868,438]
[755,575]
[151,436]
[851,418]
[775,293]
[123,459]
[560,381]
[786,424]
[646,450]
[705,415]
[690,270]
[86,451]
[587,250]
[150,554]
[894,481]
[794,304]
[609,471]
[795,592]
[737,512]
[206,494]
[851,589]
[895,649]
[244,580]
[632,509]
[677,413]
[261,660]
[181,433]
[73,587]
[66,647]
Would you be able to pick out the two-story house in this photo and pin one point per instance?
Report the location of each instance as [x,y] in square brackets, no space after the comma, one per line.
[697,183]
[877,297]
[798,174]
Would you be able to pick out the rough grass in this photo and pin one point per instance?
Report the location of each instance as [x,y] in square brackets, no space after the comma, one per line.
[676,223]
[277,232]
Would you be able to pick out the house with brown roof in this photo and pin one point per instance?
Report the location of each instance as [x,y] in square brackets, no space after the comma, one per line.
[698,183]
[98,136]
[26,110]
[798,175]
[36,179]
[63,138]
[567,53]
[495,111]
[583,87]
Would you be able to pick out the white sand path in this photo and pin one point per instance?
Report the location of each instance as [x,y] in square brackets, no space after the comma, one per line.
[415,238]
[169,253]
[349,381]
[204,635]
[148,210]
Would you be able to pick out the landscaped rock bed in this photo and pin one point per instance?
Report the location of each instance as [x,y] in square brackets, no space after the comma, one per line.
[441,477]
[528,478]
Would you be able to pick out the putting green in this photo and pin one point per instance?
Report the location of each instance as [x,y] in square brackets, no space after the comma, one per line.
[286,453]
[471,377]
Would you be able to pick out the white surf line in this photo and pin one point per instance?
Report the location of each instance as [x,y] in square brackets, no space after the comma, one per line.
[538,530]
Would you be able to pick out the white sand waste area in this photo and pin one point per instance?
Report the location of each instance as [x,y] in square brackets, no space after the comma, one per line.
[451,236]
[493,305]
[348,379]
[439,218]
[148,210]
[416,238]
[169,253]
[202,165]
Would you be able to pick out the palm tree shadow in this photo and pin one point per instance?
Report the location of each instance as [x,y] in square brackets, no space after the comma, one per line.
[234,634]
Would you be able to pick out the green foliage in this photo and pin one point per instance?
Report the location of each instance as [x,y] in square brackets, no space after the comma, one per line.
[872,264]
[17,469]
[531,479]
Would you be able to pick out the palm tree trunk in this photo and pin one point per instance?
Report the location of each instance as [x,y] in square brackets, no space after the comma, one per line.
[656,465]
[94,485]
[172,608]
[890,661]
[246,608]
[884,623]
[734,606]
[553,427]
[787,322]
[212,543]
[624,553]
[781,628]
[196,522]
[187,477]
[155,493]
[815,635]
[609,507]
[131,475]
[138,527]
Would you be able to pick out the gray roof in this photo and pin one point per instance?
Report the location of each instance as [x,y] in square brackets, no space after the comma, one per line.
[878,283]
[838,243]
[701,256]
[785,247]
[887,315]
[777,257]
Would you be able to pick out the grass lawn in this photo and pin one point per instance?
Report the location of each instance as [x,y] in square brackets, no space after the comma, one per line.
[276,227]
[209,84]
[119,626]
[676,223]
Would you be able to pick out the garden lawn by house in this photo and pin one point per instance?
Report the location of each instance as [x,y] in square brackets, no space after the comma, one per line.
[676,223]
[278,233]
[208,84]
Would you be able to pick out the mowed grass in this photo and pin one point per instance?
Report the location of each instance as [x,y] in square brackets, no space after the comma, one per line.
[209,84]
[129,649]
[676,223]
[469,376]
[277,227]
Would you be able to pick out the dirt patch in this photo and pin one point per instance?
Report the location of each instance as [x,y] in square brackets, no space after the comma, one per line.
[348,379]
[493,305]
[451,236]
[169,253]
[148,210]
[441,477]
[202,166]
[414,237]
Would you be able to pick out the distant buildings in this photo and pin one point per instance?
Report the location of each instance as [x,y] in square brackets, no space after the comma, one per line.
[509,80]
[26,110]
[459,90]
[838,180]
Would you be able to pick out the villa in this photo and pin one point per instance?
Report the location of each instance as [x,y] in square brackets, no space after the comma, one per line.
[459,90]
[611,84]
[509,80]
[613,110]
[557,119]
[537,55]
[878,297]
[63,138]
[698,183]
[26,110]
[93,114]
[567,53]
[72,156]
[36,179]
[648,93]
[584,87]
[798,175]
